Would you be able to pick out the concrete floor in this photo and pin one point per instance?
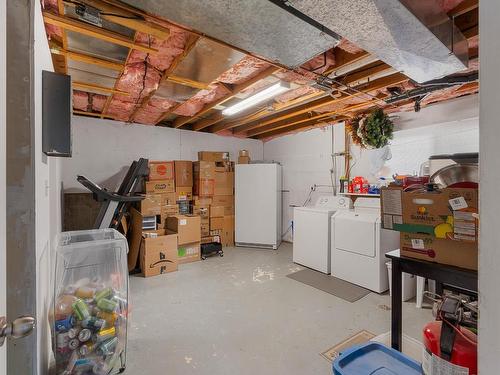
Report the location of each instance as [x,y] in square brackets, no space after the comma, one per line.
[240,314]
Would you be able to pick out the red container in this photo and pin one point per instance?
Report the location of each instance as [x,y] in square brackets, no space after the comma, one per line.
[464,352]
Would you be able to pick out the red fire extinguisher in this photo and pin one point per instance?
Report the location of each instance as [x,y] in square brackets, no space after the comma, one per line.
[450,343]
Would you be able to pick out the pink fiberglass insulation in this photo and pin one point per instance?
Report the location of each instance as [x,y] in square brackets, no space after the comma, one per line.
[80,100]
[138,80]
[348,46]
[248,67]
[142,73]
[151,113]
[51,30]
[195,104]
[98,102]
[296,93]
[309,71]
[168,49]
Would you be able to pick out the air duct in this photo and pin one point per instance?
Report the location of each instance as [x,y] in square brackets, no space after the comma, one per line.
[415,37]
[256,26]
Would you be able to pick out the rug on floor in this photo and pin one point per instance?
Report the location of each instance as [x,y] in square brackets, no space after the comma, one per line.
[358,338]
[330,284]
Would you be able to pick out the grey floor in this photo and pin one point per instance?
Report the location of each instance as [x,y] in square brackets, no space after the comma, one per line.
[240,314]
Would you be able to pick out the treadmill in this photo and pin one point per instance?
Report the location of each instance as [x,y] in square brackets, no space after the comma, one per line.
[115,204]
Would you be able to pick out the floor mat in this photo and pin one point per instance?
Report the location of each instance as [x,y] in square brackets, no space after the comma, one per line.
[330,284]
[359,338]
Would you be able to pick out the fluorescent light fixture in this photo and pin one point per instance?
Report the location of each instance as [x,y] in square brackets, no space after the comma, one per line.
[259,97]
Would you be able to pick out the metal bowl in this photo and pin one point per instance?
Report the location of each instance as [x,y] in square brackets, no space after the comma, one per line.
[454,174]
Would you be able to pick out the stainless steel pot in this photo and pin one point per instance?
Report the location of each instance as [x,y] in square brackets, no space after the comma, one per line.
[456,173]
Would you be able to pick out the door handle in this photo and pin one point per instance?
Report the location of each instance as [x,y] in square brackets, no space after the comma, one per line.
[21,327]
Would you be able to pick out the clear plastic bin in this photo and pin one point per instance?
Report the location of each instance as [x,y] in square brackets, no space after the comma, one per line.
[89,314]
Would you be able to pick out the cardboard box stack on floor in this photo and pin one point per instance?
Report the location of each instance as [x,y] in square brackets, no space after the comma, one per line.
[214,189]
[439,226]
[168,194]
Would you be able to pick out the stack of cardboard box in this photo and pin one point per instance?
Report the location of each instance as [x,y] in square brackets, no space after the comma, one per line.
[214,189]
[160,217]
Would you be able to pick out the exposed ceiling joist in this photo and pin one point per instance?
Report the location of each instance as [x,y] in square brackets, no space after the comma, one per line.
[374,85]
[91,86]
[93,114]
[180,121]
[464,7]
[128,19]
[186,82]
[89,59]
[304,126]
[93,31]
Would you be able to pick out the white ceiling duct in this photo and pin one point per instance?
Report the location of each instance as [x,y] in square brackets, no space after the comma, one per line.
[413,36]
[256,26]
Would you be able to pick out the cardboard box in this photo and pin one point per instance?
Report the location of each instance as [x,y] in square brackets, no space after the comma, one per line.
[188,253]
[209,239]
[150,205]
[216,223]
[216,211]
[427,247]
[169,210]
[134,238]
[183,173]
[204,178]
[224,183]
[187,227]
[205,229]
[168,199]
[223,200]
[204,187]
[228,211]
[243,159]
[227,236]
[213,156]
[161,170]
[215,232]
[159,186]
[158,254]
[183,193]
[446,214]
[202,201]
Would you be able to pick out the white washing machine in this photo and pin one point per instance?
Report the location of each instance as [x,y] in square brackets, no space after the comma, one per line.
[359,245]
[311,239]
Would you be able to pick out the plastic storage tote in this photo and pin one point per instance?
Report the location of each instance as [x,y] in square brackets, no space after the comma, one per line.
[374,358]
[89,315]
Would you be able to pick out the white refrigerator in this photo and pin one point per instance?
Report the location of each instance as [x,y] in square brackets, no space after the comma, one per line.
[258,205]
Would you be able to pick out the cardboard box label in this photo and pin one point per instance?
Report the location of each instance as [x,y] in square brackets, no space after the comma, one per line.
[417,243]
[183,222]
[160,186]
[189,253]
[458,203]
[161,170]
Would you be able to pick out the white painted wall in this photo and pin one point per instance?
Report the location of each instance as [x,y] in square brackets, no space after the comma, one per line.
[306,156]
[489,254]
[47,199]
[3,160]
[103,149]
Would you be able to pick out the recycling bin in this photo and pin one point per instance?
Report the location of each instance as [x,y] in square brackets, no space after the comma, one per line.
[89,312]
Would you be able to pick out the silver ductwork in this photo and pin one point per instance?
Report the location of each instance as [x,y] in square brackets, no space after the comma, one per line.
[257,26]
[413,36]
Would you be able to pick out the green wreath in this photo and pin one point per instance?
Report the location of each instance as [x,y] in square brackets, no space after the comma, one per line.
[372,131]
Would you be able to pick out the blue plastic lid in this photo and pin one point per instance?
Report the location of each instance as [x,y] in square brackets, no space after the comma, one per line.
[374,358]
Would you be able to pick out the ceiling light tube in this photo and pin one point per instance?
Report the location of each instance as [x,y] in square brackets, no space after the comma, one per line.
[259,97]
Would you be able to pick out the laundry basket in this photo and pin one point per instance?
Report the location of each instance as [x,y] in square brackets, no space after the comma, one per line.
[89,314]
